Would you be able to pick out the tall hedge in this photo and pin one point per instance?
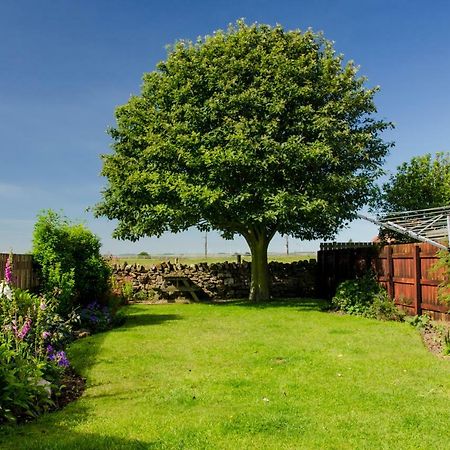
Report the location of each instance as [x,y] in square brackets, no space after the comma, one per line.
[71,266]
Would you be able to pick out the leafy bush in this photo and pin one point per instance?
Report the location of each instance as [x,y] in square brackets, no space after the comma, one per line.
[365,297]
[25,392]
[356,296]
[72,268]
[383,308]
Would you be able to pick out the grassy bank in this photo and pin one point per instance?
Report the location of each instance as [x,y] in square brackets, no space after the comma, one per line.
[256,377]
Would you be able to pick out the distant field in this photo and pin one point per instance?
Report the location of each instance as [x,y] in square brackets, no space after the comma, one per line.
[195,259]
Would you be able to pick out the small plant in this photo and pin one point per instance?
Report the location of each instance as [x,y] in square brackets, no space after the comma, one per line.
[95,317]
[383,308]
[122,288]
[98,318]
[365,297]
[127,290]
[142,295]
[446,349]
[356,296]
[421,322]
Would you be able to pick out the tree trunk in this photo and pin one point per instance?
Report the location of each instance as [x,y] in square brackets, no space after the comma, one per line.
[259,284]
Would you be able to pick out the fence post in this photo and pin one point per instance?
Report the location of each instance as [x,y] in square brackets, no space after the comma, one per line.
[390,272]
[417,278]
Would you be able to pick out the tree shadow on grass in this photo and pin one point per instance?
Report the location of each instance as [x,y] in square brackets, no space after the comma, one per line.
[302,304]
[83,352]
[138,320]
[65,438]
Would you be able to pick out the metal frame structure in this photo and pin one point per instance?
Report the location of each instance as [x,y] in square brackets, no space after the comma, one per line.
[426,225]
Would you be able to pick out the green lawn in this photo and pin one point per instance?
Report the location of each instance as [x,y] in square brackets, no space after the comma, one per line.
[235,376]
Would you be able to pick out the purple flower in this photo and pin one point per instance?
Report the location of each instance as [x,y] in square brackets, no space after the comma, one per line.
[25,329]
[50,352]
[61,359]
[94,318]
[46,335]
[8,270]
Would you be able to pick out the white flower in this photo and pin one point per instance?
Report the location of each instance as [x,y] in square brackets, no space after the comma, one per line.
[5,290]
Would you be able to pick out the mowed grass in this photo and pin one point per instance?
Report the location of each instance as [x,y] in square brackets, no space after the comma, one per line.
[187,259]
[253,377]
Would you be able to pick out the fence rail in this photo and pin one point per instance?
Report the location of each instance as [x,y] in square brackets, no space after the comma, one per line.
[344,245]
[24,273]
[407,271]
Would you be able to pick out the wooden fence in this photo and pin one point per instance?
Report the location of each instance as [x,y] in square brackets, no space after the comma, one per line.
[338,262]
[24,273]
[405,270]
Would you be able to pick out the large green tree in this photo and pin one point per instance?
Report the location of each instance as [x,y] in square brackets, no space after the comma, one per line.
[421,183]
[251,131]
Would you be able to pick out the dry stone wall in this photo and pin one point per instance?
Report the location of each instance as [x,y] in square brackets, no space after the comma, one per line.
[220,280]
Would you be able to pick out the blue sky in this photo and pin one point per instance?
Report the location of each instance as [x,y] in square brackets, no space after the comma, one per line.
[65,66]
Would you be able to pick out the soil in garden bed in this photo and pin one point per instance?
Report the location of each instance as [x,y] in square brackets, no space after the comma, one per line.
[433,340]
[73,386]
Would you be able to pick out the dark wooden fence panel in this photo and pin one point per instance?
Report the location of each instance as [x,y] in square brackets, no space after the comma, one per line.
[338,262]
[24,274]
[405,270]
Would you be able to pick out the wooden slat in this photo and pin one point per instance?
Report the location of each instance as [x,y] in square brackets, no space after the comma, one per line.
[403,280]
[437,308]
[426,282]
[402,256]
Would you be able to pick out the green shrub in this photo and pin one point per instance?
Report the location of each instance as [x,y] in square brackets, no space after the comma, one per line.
[72,268]
[25,392]
[356,296]
[365,297]
[383,308]
[127,290]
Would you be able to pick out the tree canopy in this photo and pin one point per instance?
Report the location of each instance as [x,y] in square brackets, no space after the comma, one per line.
[251,131]
[421,183]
